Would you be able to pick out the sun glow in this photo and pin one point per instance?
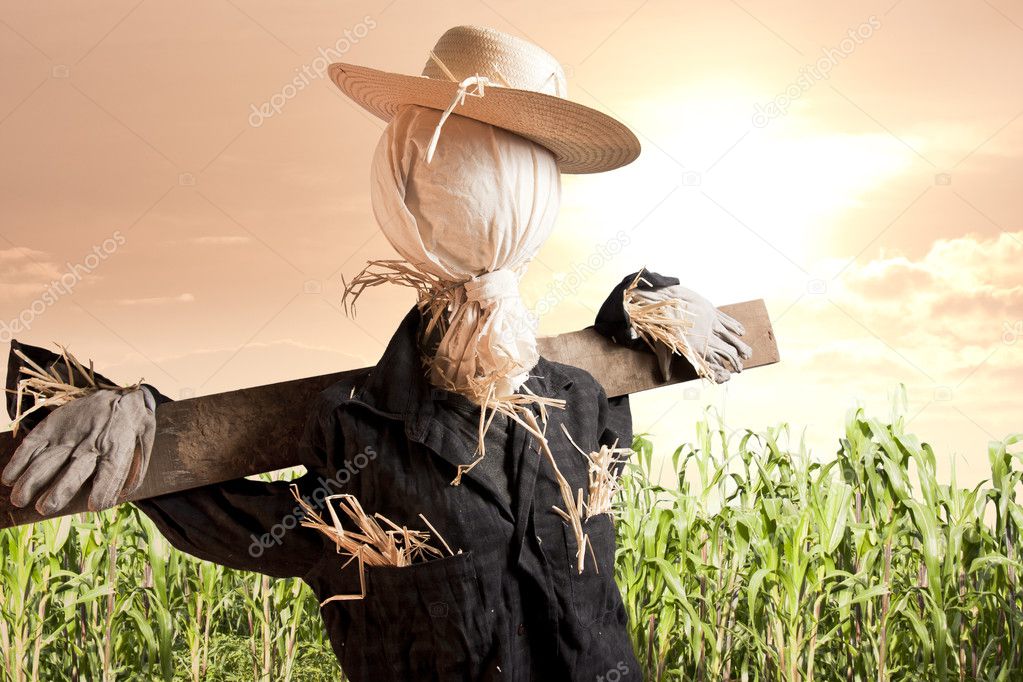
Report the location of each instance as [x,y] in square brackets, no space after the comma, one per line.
[709,176]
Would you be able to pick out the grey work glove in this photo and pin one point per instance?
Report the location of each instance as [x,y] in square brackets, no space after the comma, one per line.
[713,336]
[94,436]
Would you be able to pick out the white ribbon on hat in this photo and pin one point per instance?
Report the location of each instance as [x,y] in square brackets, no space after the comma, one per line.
[475,217]
[478,84]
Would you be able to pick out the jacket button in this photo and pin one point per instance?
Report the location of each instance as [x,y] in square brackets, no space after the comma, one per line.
[522,629]
[439,609]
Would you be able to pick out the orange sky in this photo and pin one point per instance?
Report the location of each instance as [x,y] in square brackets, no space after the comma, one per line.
[877,211]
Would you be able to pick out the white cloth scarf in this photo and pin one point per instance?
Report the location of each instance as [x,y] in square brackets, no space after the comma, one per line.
[474,216]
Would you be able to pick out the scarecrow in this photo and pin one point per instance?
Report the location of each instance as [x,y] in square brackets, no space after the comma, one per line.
[475,540]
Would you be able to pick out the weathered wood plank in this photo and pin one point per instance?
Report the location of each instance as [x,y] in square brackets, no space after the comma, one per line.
[215,438]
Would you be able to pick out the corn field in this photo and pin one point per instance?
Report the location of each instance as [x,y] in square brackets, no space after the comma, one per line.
[766,564]
[759,563]
[104,597]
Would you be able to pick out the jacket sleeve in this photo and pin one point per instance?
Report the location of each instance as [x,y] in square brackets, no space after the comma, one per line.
[617,423]
[251,525]
[242,524]
[614,420]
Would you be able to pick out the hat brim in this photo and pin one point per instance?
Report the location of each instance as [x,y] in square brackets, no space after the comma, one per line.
[582,139]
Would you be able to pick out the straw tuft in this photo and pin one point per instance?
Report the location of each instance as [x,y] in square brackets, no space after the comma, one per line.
[47,387]
[603,479]
[378,541]
[572,513]
[434,294]
[666,323]
[436,297]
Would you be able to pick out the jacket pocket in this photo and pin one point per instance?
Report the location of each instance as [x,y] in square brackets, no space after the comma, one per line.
[593,590]
[432,619]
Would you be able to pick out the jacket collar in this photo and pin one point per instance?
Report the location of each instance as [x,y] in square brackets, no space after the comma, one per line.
[398,388]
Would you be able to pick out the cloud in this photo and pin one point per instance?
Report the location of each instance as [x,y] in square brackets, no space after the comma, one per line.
[961,293]
[947,323]
[210,370]
[25,272]
[219,240]
[158,300]
[19,254]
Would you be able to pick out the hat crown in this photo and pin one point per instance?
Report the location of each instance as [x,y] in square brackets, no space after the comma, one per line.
[504,59]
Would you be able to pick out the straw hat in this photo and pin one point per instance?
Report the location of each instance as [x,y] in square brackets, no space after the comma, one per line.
[502,80]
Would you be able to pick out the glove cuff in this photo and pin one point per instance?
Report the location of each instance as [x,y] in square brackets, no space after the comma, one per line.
[24,356]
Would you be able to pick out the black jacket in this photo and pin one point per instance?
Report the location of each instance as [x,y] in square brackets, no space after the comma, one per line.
[510,606]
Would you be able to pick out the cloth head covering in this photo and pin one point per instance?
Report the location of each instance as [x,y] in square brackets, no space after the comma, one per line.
[473,217]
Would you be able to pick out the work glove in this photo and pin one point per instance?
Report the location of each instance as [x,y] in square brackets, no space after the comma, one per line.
[106,436]
[91,436]
[711,338]
[648,309]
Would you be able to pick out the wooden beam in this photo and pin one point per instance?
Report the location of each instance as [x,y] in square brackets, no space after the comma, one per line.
[216,438]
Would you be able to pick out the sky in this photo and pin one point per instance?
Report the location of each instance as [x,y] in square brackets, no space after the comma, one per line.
[196,187]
